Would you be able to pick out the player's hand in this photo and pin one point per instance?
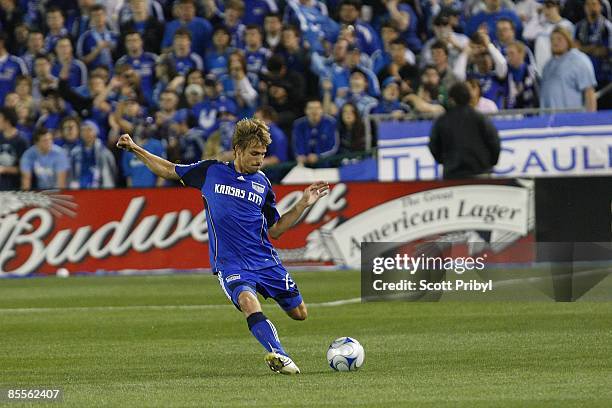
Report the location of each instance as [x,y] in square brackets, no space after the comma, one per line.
[314,192]
[126,143]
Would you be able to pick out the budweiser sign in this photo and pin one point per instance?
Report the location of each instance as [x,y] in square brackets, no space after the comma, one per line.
[149,229]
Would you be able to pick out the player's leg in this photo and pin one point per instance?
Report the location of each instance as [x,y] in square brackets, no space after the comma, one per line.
[277,283]
[299,312]
[259,325]
[240,289]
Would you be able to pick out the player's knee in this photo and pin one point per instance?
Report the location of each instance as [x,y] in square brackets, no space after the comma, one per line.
[248,302]
[299,313]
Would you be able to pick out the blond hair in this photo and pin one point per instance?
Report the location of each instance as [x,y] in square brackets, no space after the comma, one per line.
[565,34]
[250,132]
[520,47]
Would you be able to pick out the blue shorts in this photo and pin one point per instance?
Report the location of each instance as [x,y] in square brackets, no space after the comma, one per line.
[274,282]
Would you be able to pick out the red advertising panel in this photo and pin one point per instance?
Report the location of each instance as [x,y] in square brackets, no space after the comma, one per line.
[152,229]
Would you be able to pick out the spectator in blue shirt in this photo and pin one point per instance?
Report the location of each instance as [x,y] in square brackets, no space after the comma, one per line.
[185,140]
[489,17]
[134,171]
[367,37]
[69,134]
[256,54]
[594,38]
[45,165]
[55,25]
[218,55]
[256,10]
[315,136]
[382,57]
[200,29]
[78,71]
[568,79]
[181,55]
[314,23]
[36,45]
[206,112]
[278,150]
[141,61]
[402,15]
[390,102]
[232,20]
[483,61]
[523,82]
[357,94]
[92,164]
[240,86]
[292,50]
[10,68]
[96,46]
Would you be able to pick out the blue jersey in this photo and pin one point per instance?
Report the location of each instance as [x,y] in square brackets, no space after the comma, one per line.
[492,87]
[206,112]
[90,40]
[10,68]
[240,208]
[44,167]
[490,19]
[201,34]
[145,66]
[182,65]
[257,60]
[216,63]
[52,39]
[367,38]
[279,146]
[77,76]
[313,21]
[136,169]
[256,10]
[321,139]
[229,89]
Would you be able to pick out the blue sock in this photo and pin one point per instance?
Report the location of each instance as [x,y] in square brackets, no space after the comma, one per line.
[265,332]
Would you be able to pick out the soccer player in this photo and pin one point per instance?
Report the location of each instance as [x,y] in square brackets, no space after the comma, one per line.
[241,212]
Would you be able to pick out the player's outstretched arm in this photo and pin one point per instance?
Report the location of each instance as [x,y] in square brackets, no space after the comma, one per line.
[158,165]
[311,195]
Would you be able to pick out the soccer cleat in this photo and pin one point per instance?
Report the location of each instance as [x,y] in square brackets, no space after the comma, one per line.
[281,364]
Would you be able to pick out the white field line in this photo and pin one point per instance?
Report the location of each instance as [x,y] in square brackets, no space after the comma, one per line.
[153,307]
[342,302]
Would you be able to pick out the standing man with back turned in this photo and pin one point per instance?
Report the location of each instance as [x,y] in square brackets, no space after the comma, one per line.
[240,212]
[464,141]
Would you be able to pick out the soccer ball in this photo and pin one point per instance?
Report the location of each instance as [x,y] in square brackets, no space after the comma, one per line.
[345,354]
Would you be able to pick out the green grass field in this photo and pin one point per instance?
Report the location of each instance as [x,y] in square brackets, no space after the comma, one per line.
[164,341]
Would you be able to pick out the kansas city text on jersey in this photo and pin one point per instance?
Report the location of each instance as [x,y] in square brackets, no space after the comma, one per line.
[238,192]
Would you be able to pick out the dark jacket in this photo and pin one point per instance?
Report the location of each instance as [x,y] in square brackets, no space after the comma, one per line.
[151,37]
[465,142]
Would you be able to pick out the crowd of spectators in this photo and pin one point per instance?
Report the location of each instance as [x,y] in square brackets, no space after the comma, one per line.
[177,75]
